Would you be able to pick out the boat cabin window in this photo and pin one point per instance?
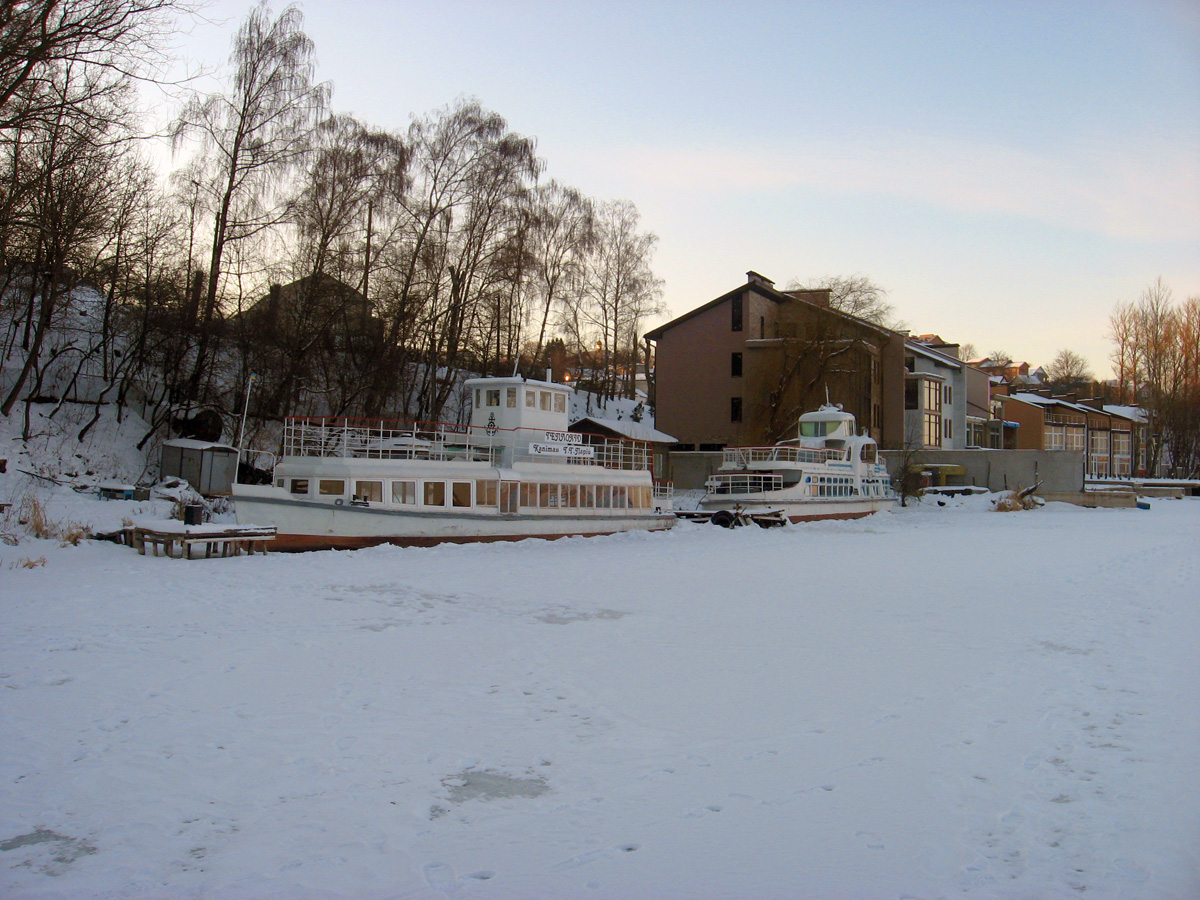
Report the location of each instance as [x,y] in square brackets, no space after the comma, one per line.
[460,491]
[818,428]
[435,493]
[404,492]
[531,399]
[509,495]
[369,490]
[299,485]
[485,493]
[493,397]
[331,487]
[868,453]
[510,398]
[545,400]
[560,403]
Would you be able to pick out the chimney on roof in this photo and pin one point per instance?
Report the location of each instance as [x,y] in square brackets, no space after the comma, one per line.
[753,277]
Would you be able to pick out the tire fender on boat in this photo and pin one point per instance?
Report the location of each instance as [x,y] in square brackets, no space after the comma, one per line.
[722,517]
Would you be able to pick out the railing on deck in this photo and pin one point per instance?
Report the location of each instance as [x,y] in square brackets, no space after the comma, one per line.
[743,483]
[747,456]
[329,436]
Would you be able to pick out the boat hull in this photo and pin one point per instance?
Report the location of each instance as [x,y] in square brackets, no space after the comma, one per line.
[310,525]
[814,510]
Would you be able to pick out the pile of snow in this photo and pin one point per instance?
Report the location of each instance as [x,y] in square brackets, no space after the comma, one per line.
[933,702]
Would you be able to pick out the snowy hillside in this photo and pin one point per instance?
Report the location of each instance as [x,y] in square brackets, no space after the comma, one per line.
[927,703]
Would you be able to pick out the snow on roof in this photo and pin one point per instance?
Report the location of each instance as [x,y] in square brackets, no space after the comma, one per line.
[637,431]
[937,356]
[1039,400]
[191,444]
[1136,413]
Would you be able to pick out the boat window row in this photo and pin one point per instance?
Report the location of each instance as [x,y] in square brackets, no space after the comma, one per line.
[548,401]
[833,486]
[506,495]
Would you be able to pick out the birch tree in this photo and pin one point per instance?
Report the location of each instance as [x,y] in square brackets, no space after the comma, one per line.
[250,138]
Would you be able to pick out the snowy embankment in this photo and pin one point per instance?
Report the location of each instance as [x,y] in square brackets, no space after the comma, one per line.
[927,703]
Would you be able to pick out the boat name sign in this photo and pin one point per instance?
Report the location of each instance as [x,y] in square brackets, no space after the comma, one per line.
[575,450]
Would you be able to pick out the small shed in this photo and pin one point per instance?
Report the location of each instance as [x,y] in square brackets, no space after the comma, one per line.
[629,430]
[209,468]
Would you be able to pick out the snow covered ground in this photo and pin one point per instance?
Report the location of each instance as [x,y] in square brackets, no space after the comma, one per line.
[936,702]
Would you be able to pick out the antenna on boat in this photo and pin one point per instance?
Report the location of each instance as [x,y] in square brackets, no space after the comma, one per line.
[827,395]
[516,365]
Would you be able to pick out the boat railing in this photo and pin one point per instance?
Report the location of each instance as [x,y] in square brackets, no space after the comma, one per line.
[743,457]
[664,490]
[743,483]
[329,436]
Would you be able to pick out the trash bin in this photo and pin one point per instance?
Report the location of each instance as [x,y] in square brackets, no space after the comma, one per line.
[193,514]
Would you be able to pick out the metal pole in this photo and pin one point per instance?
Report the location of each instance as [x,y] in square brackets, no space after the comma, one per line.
[245,410]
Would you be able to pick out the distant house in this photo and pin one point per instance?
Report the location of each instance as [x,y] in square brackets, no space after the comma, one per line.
[628,429]
[742,368]
[312,312]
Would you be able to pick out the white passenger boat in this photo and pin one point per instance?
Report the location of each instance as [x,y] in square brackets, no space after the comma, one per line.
[514,472]
[826,472]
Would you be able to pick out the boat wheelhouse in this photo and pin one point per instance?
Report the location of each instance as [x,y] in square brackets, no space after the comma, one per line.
[513,472]
[826,472]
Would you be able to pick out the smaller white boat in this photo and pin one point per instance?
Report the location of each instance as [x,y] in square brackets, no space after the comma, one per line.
[826,472]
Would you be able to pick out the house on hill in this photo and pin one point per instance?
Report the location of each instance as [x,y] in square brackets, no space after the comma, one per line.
[742,368]
[311,311]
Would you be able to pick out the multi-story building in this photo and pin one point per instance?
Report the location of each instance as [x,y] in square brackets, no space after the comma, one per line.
[742,368]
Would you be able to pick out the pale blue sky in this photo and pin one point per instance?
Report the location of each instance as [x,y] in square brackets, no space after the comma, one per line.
[1008,171]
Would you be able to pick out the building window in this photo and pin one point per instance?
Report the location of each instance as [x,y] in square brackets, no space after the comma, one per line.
[912,395]
[735,365]
[948,429]
[762,326]
[736,313]
[735,409]
[948,395]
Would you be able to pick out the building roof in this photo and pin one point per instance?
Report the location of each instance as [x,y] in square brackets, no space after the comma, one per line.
[763,286]
[636,431]
[923,349]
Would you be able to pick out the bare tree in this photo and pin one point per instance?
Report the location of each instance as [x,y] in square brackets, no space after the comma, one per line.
[1122,331]
[250,138]
[617,293]
[855,295]
[564,232]
[1068,370]
[40,37]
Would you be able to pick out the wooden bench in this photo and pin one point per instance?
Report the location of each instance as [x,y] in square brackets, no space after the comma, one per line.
[226,542]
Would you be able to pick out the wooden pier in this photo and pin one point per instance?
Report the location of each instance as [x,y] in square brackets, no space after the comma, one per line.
[217,542]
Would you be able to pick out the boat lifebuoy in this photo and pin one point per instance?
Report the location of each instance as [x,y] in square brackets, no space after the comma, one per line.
[339,502]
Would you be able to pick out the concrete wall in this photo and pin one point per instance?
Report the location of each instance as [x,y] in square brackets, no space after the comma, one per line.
[999,470]
[996,470]
[689,471]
